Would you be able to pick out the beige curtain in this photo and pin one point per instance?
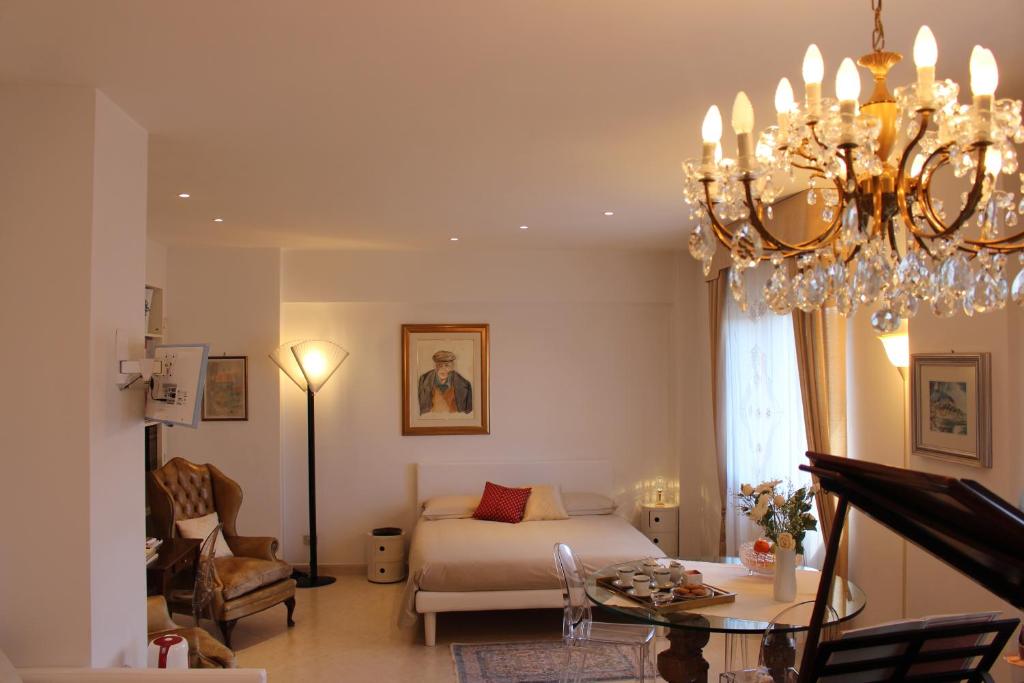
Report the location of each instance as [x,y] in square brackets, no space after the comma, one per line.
[821,357]
[718,290]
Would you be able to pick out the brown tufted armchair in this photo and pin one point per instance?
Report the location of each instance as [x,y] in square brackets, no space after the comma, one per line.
[251,581]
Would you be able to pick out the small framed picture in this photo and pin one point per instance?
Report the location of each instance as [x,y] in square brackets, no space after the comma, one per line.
[226,393]
[951,407]
[445,380]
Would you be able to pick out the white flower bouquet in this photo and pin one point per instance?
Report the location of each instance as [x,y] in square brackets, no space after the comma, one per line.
[779,511]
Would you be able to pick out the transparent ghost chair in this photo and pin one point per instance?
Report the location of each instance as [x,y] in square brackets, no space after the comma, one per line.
[781,646]
[199,597]
[578,627]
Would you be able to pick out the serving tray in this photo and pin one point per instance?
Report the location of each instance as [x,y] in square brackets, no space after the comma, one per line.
[717,597]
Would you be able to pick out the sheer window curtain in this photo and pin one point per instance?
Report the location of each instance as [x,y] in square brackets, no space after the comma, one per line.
[762,433]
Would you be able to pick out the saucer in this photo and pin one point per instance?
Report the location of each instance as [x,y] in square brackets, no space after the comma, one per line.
[619,583]
[632,591]
[668,584]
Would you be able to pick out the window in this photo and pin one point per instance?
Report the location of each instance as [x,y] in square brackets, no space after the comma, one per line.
[763,420]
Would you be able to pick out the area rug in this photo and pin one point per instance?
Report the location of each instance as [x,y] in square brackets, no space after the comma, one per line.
[539,662]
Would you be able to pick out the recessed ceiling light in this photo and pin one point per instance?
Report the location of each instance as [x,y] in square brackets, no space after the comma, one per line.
[609,213]
[184,195]
[218,220]
[454,239]
[524,227]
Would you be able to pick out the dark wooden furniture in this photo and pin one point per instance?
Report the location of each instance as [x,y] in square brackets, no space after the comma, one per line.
[175,557]
[958,521]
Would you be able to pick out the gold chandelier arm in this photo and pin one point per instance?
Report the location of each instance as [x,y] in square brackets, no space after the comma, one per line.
[925,199]
[790,249]
[1002,245]
[837,221]
[901,172]
[814,133]
[721,232]
[755,220]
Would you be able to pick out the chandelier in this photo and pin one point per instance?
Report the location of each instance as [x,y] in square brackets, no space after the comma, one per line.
[886,241]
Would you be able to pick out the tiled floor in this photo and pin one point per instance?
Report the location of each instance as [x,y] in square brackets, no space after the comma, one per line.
[348,632]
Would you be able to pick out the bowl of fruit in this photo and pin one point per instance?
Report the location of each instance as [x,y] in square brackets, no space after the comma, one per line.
[757,557]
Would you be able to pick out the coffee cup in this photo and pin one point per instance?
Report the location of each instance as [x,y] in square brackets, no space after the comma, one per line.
[641,585]
[662,577]
[626,576]
[676,569]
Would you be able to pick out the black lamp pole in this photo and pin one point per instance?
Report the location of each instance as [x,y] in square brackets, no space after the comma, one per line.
[313,579]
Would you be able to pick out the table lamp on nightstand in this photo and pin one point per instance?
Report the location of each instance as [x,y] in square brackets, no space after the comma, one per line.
[659,491]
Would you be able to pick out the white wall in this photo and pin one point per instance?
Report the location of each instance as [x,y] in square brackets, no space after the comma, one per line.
[73,188]
[156,264]
[875,432]
[117,291]
[580,368]
[230,298]
[934,586]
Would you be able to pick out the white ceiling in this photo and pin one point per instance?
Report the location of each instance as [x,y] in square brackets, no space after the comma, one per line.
[398,124]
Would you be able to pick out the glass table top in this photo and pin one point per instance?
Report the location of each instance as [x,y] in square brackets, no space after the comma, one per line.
[751,612]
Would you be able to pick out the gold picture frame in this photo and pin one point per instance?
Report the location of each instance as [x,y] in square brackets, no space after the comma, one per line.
[951,407]
[226,390]
[445,379]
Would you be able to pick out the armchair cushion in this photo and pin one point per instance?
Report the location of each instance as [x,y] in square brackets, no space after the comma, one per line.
[241,575]
[201,527]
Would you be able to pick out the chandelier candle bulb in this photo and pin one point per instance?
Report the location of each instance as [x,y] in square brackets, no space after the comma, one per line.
[984,79]
[926,54]
[847,91]
[711,133]
[813,73]
[743,126]
[784,104]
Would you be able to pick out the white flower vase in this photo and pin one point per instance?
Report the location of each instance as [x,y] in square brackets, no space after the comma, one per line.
[785,575]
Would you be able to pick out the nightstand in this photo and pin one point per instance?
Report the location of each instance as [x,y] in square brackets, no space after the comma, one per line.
[660,523]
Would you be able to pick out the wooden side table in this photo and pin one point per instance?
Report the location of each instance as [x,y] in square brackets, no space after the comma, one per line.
[175,556]
[660,523]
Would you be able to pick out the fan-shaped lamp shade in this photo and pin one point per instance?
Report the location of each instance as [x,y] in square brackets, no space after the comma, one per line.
[897,347]
[318,359]
[285,359]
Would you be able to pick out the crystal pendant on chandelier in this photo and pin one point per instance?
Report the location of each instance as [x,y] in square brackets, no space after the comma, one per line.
[884,241]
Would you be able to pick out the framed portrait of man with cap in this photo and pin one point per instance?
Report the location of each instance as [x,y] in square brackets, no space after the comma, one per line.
[445,379]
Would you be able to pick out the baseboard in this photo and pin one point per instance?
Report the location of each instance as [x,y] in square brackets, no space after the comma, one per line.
[335,569]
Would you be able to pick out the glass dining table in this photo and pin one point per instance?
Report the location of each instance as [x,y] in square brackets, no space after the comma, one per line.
[748,615]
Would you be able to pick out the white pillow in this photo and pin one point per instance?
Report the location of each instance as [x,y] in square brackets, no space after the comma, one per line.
[583,503]
[450,507]
[201,527]
[545,502]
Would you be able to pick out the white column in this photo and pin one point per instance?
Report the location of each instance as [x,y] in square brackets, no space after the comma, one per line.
[72,253]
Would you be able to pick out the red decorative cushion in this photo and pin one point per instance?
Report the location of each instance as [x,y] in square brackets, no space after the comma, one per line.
[502,504]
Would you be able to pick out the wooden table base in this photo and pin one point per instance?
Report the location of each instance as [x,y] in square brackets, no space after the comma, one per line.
[683,661]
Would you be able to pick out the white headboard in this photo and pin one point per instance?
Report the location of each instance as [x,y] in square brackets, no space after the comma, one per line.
[464,478]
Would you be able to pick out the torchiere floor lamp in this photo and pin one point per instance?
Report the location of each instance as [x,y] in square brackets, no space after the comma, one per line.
[310,363]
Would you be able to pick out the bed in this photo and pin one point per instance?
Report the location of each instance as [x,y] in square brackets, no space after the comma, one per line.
[465,565]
